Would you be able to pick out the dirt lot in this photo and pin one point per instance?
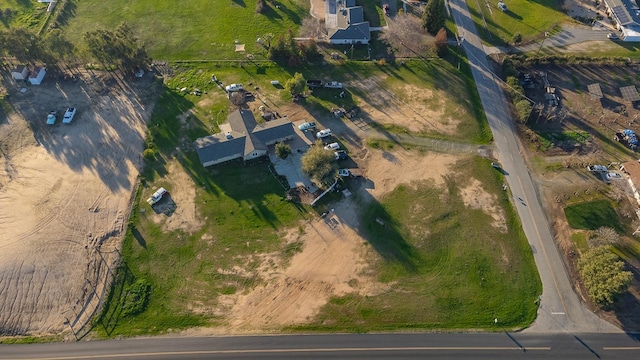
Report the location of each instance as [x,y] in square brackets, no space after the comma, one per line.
[65,192]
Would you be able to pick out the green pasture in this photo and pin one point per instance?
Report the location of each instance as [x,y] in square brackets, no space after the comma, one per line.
[197,29]
[528,18]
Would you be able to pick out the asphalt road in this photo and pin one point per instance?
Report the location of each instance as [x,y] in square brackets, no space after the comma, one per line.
[560,309]
[500,345]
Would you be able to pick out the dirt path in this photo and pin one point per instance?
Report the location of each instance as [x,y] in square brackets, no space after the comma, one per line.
[64,193]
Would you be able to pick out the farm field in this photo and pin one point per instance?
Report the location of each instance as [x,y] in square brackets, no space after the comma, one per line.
[233,256]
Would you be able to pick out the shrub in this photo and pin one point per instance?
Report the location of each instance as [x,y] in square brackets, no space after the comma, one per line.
[283,150]
[523,107]
[136,298]
[149,154]
[517,38]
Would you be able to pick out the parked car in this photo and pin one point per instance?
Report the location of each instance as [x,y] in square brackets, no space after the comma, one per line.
[139,73]
[307,126]
[234,87]
[344,172]
[314,83]
[157,196]
[612,36]
[52,117]
[333,85]
[68,115]
[323,133]
[332,146]
[502,6]
[386,9]
[341,155]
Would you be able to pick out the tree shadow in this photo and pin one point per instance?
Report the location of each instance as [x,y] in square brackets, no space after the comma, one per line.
[139,238]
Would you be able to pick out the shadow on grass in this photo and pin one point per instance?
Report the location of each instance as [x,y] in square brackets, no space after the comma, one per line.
[383,233]
[112,313]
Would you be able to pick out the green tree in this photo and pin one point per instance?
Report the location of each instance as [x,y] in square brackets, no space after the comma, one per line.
[119,47]
[23,45]
[320,164]
[523,107]
[282,150]
[434,16]
[296,84]
[604,276]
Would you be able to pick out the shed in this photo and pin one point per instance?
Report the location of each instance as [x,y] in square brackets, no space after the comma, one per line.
[20,72]
[36,76]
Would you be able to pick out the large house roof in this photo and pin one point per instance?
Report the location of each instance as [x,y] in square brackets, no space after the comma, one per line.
[350,23]
[245,137]
[626,12]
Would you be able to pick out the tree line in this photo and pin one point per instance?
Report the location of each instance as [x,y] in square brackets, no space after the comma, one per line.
[118,48]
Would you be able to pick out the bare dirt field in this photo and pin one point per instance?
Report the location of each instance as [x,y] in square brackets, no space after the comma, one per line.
[65,194]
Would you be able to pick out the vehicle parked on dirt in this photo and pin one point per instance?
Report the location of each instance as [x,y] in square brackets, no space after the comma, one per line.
[307,126]
[52,117]
[234,87]
[332,146]
[323,133]
[597,168]
[69,115]
[157,196]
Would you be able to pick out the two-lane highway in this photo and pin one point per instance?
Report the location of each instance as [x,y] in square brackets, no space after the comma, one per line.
[560,309]
[343,346]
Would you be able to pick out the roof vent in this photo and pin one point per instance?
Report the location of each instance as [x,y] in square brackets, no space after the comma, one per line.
[228,135]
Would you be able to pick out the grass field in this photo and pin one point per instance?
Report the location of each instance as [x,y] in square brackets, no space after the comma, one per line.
[446,267]
[592,215]
[200,30]
[528,18]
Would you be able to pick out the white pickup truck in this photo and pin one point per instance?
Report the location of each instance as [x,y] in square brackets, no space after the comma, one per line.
[157,196]
[333,85]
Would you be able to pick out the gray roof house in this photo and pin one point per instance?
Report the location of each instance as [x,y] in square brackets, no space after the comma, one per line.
[626,15]
[246,139]
[346,24]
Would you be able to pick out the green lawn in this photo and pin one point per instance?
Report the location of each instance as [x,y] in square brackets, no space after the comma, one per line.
[445,266]
[592,215]
[199,29]
[528,18]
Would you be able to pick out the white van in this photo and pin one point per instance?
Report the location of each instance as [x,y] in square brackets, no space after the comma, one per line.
[323,133]
[332,146]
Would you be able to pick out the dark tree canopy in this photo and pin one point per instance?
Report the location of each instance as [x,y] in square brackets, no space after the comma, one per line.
[434,16]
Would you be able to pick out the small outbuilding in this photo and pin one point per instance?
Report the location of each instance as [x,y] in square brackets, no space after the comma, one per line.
[20,72]
[36,76]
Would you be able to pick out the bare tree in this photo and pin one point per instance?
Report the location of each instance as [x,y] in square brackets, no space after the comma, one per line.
[407,37]
[604,236]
